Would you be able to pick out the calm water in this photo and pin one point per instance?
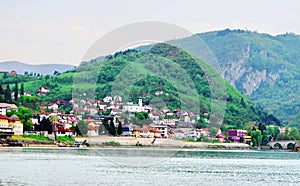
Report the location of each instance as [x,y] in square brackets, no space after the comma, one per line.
[41,166]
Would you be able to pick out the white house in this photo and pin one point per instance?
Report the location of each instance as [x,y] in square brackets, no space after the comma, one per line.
[162,128]
[159,92]
[16,124]
[27,94]
[6,107]
[130,107]
[43,91]
[118,98]
[107,99]
[53,106]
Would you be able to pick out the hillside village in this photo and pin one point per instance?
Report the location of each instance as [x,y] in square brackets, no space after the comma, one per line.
[136,120]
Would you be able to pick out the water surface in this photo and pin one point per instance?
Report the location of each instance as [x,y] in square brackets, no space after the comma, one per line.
[146,166]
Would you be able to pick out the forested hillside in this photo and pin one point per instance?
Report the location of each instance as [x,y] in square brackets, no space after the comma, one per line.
[97,79]
[263,67]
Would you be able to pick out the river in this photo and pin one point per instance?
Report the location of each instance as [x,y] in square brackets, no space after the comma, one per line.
[147,166]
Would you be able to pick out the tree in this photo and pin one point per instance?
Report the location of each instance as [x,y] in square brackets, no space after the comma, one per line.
[45,125]
[7,95]
[5,75]
[55,73]
[256,137]
[82,128]
[1,94]
[27,126]
[16,92]
[22,89]
[119,131]
[213,132]
[113,127]
[243,103]
[1,89]
[110,127]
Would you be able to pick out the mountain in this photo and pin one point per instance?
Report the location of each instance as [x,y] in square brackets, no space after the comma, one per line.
[263,67]
[42,69]
[163,76]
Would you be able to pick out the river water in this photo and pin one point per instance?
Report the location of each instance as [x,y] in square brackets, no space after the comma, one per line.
[146,166]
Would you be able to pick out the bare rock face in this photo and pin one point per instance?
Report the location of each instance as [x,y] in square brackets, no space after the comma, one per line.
[253,80]
[235,69]
[239,72]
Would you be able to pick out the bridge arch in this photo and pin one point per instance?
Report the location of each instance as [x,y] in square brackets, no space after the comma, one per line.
[290,146]
[277,145]
[282,144]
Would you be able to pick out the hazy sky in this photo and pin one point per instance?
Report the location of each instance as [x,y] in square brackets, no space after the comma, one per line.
[61,31]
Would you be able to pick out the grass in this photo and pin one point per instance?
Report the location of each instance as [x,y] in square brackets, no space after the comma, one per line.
[111,143]
[64,139]
[31,137]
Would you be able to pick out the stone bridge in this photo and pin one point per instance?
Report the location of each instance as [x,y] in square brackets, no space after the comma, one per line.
[282,144]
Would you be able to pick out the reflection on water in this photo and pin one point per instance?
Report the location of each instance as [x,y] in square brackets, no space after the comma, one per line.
[122,166]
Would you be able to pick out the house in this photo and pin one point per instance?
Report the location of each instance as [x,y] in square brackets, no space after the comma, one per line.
[142,132]
[53,106]
[16,124]
[185,117]
[204,132]
[103,105]
[65,132]
[91,110]
[27,94]
[126,131]
[146,95]
[118,98]
[154,115]
[93,129]
[6,130]
[163,130]
[179,134]
[73,100]
[107,99]
[67,119]
[6,107]
[195,134]
[13,73]
[116,112]
[158,92]
[43,91]
[183,130]
[236,135]
[130,107]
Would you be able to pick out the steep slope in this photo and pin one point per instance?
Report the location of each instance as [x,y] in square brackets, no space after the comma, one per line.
[263,67]
[42,69]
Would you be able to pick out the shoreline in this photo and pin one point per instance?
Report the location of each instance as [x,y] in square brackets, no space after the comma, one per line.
[163,143]
[131,142]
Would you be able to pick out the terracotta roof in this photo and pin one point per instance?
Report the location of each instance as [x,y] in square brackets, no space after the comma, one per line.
[64,130]
[3,117]
[154,130]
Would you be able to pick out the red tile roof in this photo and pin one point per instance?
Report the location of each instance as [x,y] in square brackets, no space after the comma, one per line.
[3,117]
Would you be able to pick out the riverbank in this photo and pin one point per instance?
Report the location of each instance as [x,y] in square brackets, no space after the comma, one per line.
[128,142]
[161,143]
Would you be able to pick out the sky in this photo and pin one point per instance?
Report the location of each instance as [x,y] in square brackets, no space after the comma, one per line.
[61,31]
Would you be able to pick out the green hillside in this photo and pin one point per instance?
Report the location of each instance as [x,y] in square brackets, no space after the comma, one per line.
[135,75]
[265,68]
